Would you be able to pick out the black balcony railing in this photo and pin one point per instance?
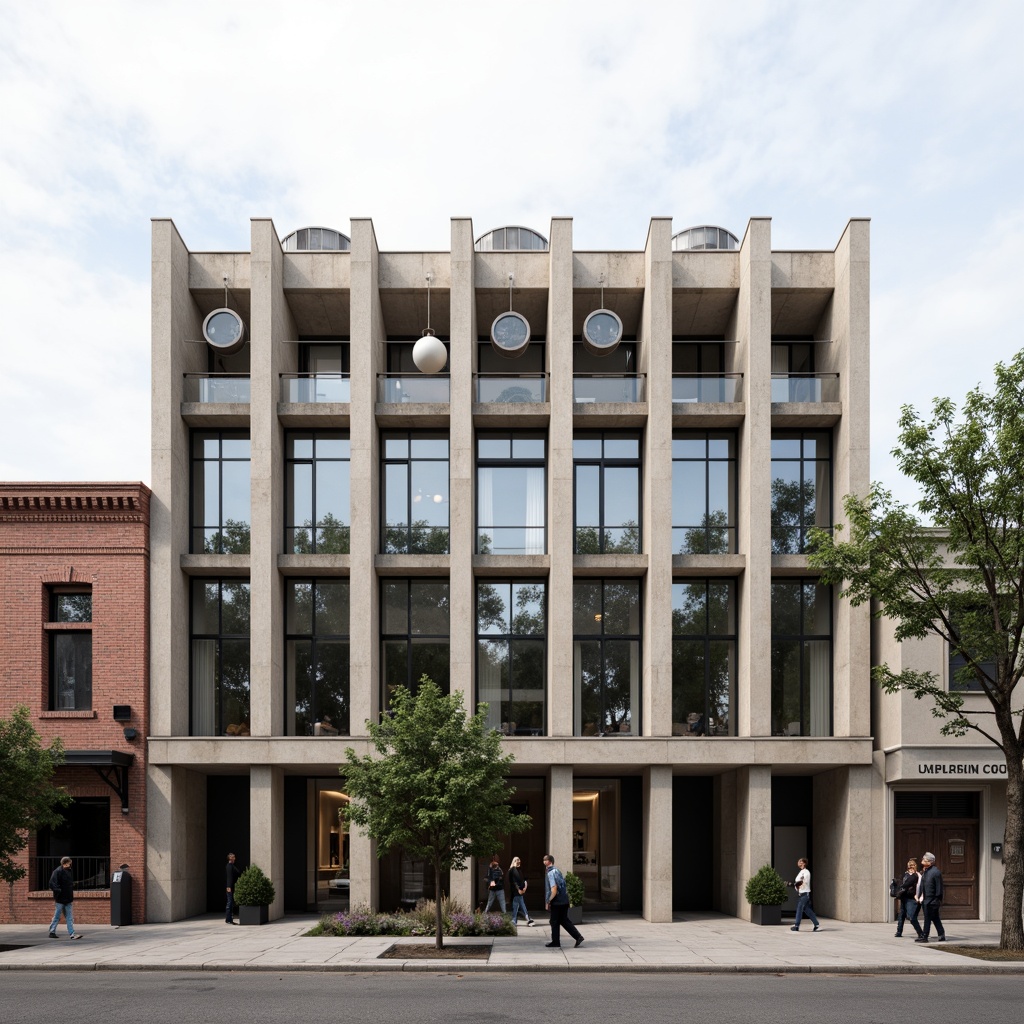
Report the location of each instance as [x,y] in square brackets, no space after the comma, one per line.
[89,873]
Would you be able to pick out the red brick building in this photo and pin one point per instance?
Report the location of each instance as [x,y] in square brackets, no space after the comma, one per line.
[74,642]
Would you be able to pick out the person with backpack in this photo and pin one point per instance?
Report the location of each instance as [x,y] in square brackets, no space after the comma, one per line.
[62,885]
[557,902]
[495,886]
[906,893]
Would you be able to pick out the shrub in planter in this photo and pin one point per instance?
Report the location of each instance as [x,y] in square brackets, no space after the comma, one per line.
[254,893]
[766,892]
[574,887]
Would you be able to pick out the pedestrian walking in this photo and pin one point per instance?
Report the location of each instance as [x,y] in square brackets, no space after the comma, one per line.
[518,888]
[495,885]
[557,902]
[909,907]
[231,876]
[802,884]
[929,895]
[62,885]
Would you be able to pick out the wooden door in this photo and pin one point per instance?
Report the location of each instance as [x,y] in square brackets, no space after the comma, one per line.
[955,846]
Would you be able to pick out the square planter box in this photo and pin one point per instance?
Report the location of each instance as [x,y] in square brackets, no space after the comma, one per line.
[576,915]
[253,915]
[765,915]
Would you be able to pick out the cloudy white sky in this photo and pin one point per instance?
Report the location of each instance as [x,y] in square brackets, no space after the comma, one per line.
[214,112]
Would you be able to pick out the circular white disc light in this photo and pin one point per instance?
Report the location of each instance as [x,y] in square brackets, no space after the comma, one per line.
[510,334]
[602,332]
[429,354]
[224,331]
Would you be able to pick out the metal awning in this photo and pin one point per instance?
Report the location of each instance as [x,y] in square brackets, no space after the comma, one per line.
[111,766]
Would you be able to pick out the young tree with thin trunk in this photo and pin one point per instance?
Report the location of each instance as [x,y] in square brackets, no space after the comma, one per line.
[438,790]
[960,578]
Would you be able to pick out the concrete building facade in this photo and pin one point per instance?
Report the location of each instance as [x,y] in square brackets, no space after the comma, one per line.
[603,541]
[74,583]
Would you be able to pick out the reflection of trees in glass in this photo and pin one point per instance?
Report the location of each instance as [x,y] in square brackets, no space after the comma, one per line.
[417,539]
[793,510]
[624,540]
[703,650]
[710,538]
[332,537]
[232,540]
[234,654]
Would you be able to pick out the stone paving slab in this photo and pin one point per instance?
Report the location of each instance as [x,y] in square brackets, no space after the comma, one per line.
[701,943]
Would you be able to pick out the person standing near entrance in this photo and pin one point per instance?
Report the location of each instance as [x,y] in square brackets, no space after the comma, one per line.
[495,885]
[557,901]
[62,885]
[518,884]
[231,876]
[930,897]
[803,899]
[909,907]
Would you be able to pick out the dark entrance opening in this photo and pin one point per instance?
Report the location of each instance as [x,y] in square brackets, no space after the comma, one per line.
[227,831]
[693,863]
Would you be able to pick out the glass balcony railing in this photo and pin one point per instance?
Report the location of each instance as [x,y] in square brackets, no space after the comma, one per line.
[394,388]
[805,387]
[707,387]
[300,388]
[607,387]
[217,387]
[511,389]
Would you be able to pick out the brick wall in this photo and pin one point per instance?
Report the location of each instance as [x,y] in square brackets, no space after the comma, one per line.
[95,534]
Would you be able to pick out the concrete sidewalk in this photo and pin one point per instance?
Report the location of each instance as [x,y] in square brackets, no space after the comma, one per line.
[700,943]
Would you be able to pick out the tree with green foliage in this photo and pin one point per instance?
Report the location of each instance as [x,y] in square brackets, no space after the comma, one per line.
[438,788]
[961,578]
[29,800]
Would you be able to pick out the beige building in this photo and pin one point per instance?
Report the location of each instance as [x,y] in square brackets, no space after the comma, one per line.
[592,518]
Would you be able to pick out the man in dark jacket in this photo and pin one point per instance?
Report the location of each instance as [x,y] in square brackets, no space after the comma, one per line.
[231,877]
[62,885]
[495,885]
[930,897]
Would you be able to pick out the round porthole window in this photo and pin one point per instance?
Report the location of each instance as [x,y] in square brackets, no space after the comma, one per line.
[510,334]
[223,330]
[602,332]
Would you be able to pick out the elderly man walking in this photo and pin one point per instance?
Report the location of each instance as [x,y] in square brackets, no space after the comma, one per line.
[929,895]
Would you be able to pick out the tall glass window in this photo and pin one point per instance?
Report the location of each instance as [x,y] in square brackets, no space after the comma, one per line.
[220,657]
[415,633]
[316,657]
[606,657]
[801,658]
[511,499]
[71,650]
[704,657]
[511,673]
[415,499]
[606,470]
[703,492]
[317,496]
[220,492]
[801,487]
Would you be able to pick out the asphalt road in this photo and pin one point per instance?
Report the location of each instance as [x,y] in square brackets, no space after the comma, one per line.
[110,997]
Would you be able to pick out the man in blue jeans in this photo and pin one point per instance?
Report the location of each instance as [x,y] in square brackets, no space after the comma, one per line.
[803,899]
[63,888]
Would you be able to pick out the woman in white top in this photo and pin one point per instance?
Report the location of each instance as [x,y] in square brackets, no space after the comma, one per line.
[803,900]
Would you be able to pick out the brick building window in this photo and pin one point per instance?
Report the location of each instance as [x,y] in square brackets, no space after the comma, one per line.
[70,649]
[84,836]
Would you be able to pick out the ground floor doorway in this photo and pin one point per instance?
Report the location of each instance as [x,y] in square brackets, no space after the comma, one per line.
[945,824]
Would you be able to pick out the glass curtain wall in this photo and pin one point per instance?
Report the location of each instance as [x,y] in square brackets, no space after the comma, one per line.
[511,497]
[220,657]
[220,492]
[316,657]
[801,487]
[415,634]
[606,657]
[317,494]
[801,658]
[703,492]
[511,662]
[703,657]
[606,472]
[415,499]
